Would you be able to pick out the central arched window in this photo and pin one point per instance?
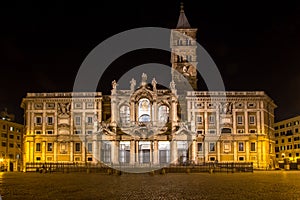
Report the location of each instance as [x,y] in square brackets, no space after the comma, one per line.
[124,114]
[144,110]
[163,113]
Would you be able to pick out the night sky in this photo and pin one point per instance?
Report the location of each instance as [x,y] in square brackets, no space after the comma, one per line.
[255,45]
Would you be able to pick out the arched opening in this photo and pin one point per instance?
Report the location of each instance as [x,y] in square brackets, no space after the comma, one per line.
[124,114]
[144,110]
[163,113]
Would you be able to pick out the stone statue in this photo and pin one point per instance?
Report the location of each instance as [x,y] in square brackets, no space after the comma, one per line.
[154,83]
[132,84]
[114,84]
[172,85]
[144,78]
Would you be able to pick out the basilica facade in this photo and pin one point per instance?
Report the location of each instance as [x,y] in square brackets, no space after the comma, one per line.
[147,125]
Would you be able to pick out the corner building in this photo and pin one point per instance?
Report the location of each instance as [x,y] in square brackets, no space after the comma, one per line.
[287,141]
[145,125]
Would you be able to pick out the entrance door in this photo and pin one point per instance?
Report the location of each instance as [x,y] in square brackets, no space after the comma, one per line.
[144,151]
[11,166]
[146,155]
[163,156]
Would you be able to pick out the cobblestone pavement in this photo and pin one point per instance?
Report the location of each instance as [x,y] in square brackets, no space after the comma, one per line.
[257,185]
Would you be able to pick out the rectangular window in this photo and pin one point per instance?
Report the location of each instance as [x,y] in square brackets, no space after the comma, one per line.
[38,120]
[11,128]
[77,146]
[77,120]
[77,158]
[3,144]
[89,120]
[38,158]
[49,158]
[212,158]
[90,147]
[251,119]
[18,137]
[212,147]
[240,130]
[49,120]
[90,159]
[241,146]
[49,132]
[282,141]
[296,130]
[297,154]
[199,119]
[38,147]
[241,158]
[252,146]
[77,132]
[3,127]
[50,105]
[77,105]
[11,136]
[89,105]
[211,119]
[212,131]
[240,119]
[19,145]
[89,132]
[252,131]
[200,146]
[49,146]
[289,139]
[11,145]
[38,132]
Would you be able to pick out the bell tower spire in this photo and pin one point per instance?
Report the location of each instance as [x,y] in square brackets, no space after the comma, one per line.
[184,56]
[182,21]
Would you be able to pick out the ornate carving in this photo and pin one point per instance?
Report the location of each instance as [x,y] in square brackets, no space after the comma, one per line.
[64,109]
[226,108]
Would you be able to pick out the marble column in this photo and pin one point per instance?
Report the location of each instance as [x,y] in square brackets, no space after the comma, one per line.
[218,151]
[132,152]
[137,151]
[155,152]
[174,153]
[247,159]
[235,151]
[258,122]
[246,122]
[71,151]
[43,147]
[55,151]
[95,151]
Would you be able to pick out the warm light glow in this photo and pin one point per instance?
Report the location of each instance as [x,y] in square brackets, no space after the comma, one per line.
[1,159]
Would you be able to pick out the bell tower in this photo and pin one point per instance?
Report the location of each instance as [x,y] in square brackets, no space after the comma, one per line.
[184,57]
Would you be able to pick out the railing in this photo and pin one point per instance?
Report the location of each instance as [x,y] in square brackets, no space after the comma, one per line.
[65,94]
[222,93]
[127,167]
